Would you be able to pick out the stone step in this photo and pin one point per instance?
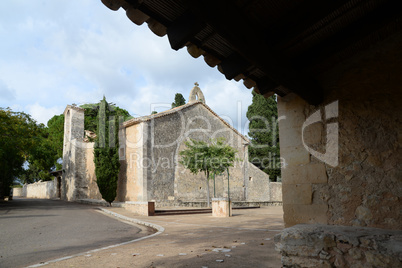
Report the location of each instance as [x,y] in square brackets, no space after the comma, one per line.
[161,212]
[182,211]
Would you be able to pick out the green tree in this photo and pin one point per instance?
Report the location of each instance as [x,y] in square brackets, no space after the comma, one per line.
[91,114]
[106,150]
[179,100]
[212,159]
[222,157]
[56,137]
[45,154]
[42,158]
[19,134]
[264,135]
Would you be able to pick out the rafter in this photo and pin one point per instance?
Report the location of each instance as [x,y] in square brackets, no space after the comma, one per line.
[183,29]
[231,24]
[295,21]
[234,65]
[372,22]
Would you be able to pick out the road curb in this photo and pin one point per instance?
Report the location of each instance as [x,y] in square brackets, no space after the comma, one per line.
[159,229]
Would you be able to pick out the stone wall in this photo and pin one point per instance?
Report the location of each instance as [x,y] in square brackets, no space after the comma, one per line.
[339,246]
[17,191]
[74,183]
[365,188]
[258,184]
[131,183]
[149,155]
[42,189]
[170,180]
[362,106]
[275,191]
[343,166]
[90,177]
[302,174]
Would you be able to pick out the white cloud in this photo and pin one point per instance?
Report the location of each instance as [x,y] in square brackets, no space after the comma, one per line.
[62,52]
[6,93]
[43,114]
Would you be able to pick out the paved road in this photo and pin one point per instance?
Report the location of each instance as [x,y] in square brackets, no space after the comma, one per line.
[36,230]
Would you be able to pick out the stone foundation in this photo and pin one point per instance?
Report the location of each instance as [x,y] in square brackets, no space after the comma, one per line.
[141,208]
[339,246]
[204,204]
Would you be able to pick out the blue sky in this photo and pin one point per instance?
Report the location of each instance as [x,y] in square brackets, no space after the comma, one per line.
[59,52]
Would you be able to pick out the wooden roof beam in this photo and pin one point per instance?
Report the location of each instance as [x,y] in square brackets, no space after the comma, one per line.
[230,23]
[266,85]
[306,14]
[234,65]
[372,22]
[183,29]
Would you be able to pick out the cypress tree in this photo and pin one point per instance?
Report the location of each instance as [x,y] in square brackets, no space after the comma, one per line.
[179,100]
[264,135]
[106,152]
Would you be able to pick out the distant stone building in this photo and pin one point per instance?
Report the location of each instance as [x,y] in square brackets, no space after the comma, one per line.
[149,157]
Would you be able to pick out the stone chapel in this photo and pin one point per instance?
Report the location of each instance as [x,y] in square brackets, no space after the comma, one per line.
[149,158]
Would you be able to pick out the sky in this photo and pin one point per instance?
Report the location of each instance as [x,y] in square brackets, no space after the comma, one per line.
[59,52]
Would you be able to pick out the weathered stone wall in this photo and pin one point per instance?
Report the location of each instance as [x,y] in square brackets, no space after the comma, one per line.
[275,191]
[149,161]
[131,182]
[90,177]
[339,246]
[258,184]
[171,181]
[42,189]
[140,207]
[74,181]
[364,187]
[302,175]
[17,191]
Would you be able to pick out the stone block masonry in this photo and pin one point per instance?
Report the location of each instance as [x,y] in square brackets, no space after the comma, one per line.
[339,246]
[150,161]
[343,165]
[221,207]
[41,189]
[17,191]
[141,208]
[362,188]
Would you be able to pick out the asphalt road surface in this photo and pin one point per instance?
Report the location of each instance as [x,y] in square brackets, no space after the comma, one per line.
[37,230]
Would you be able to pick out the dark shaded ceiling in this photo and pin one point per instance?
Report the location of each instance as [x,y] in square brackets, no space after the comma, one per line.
[275,46]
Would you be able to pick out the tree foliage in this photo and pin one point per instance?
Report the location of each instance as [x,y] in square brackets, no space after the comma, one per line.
[91,114]
[264,135]
[55,128]
[28,151]
[213,159]
[19,135]
[45,155]
[179,100]
[106,150]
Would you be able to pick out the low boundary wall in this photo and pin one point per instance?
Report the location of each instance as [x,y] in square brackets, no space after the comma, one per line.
[41,189]
[17,191]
